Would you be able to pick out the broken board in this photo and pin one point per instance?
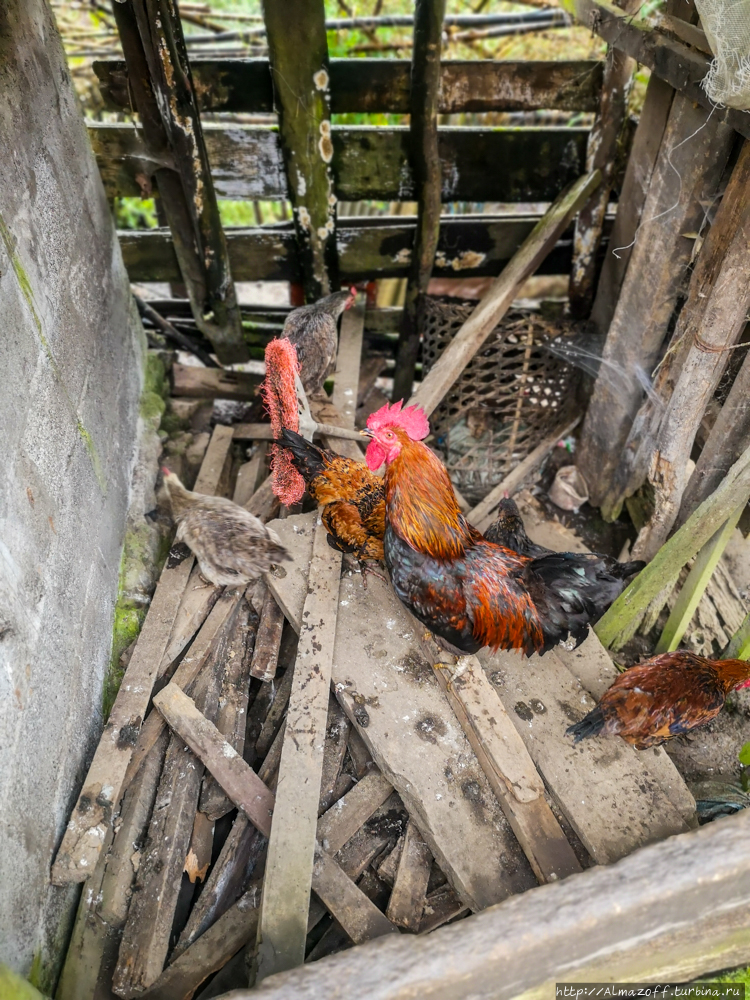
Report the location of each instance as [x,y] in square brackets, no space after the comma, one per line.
[388,690]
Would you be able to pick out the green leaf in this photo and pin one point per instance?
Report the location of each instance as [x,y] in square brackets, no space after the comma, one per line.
[744,755]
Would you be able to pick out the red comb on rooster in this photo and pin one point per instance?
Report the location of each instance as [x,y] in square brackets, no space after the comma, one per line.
[412,419]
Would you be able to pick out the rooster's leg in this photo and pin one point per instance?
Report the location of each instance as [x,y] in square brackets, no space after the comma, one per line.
[365,568]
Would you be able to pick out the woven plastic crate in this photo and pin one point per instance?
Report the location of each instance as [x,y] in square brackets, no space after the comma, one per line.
[513,394]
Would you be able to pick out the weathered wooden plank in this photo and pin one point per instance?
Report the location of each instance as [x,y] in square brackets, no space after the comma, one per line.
[685,176]
[410,886]
[210,952]
[92,953]
[190,667]
[477,164]
[298,51]
[346,378]
[368,248]
[383,85]
[359,917]
[346,816]
[268,640]
[147,933]
[611,801]
[231,718]
[440,906]
[497,300]
[257,802]
[272,721]
[720,287]
[509,769]
[641,162]
[336,735]
[263,503]
[92,814]
[625,923]
[426,170]
[681,66]
[213,383]
[286,887]
[196,605]
[251,474]
[605,136]
[170,126]
[388,689]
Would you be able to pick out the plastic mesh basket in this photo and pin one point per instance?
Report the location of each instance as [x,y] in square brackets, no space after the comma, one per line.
[512,395]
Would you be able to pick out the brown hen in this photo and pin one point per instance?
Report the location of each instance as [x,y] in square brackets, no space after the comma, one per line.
[351,498]
[231,545]
[663,697]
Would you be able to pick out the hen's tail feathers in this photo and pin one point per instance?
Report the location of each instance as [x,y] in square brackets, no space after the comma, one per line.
[628,569]
[590,725]
[307,458]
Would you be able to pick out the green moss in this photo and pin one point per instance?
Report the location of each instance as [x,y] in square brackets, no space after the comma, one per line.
[12,987]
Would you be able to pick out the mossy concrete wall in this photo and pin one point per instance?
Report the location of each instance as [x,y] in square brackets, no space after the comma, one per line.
[72,363]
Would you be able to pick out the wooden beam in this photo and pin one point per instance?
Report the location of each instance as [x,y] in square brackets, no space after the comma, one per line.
[685,177]
[641,162]
[426,170]
[477,164]
[258,803]
[716,313]
[383,85]
[252,473]
[681,66]
[346,816]
[346,378]
[504,289]
[298,50]
[625,923]
[213,383]
[509,769]
[368,248]
[105,781]
[605,135]
[268,640]
[154,47]
[282,930]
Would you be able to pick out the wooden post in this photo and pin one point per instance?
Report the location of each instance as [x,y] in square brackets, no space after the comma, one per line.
[291,849]
[348,358]
[298,51]
[162,85]
[722,289]
[410,885]
[686,174]
[602,156]
[425,162]
[497,300]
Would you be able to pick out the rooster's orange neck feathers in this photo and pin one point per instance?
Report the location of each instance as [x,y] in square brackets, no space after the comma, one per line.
[422,507]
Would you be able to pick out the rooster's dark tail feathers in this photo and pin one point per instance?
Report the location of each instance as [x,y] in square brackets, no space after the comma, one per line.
[307,458]
[590,725]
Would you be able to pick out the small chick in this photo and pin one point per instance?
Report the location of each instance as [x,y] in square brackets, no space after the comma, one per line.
[231,545]
[313,331]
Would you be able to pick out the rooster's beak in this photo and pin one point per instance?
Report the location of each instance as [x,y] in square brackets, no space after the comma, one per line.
[367,433]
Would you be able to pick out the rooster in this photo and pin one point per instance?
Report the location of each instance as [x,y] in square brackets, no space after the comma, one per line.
[508,530]
[663,697]
[468,591]
[313,331]
[351,497]
[231,545]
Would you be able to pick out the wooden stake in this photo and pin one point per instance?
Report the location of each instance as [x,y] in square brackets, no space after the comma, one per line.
[159,73]
[425,163]
[286,888]
[346,379]
[503,290]
[92,814]
[298,53]
[267,643]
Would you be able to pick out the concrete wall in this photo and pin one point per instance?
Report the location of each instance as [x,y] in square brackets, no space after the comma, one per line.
[71,372]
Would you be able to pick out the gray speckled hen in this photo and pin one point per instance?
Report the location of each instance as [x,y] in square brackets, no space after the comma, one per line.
[231,545]
[313,331]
